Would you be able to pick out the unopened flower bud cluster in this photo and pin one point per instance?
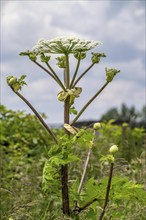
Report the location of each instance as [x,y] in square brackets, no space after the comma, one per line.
[16,84]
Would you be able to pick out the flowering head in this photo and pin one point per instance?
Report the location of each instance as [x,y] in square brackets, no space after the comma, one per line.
[64,45]
[61,45]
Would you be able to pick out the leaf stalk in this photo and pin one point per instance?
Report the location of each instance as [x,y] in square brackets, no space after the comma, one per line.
[78,79]
[88,103]
[75,74]
[53,76]
[38,116]
[107,191]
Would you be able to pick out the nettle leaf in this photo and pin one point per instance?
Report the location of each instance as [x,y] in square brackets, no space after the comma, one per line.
[124,189]
[50,175]
[55,149]
[132,185]
[72,110]
[22,77]
[84,137]
[65,140]
[92,190]
[107,159]
[60,160]
[72,158]
[59,154]
[74,196]
[91,214]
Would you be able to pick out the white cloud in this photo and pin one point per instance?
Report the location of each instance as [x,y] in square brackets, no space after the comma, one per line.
[128,26]
[113,96]
[44,89]
[25,22]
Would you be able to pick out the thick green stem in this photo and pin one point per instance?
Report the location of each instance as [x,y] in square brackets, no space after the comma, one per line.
[76,71]
[88,103]
[78,79]
[64,168]
[67,72]
[38,116]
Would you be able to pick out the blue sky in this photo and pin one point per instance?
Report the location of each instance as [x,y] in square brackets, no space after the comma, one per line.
[119,25]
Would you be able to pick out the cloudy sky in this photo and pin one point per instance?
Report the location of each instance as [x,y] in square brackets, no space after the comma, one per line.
[119,25]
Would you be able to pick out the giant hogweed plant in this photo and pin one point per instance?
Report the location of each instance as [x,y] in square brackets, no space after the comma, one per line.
[79,196]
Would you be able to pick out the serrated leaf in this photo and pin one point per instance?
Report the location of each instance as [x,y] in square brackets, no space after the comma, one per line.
[59,160]
[92,190]
[73,111]
[22,77]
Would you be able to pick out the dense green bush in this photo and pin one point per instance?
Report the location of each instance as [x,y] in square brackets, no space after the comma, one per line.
[24,146]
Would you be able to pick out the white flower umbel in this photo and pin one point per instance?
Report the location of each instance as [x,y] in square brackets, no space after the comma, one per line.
[64,45]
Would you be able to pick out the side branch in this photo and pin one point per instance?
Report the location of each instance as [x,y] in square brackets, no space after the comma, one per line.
[44,69]
[75,74]
[88,103]
[67,72]
[53,76]
[38,116]
[56,77]
[78,79]
[79,209]
[107,191]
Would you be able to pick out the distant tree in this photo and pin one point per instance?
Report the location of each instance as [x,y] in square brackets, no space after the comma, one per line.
[142,117]
[128,114]
[110,114]
[143,113]
[124,114]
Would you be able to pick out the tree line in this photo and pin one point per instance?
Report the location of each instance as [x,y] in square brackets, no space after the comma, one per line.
[124,114]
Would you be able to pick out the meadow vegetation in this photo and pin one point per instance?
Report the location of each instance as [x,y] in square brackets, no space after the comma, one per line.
[24,151]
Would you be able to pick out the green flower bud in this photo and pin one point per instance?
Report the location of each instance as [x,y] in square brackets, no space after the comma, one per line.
[45,59]
[110,158]
[77,91]
[16,87]
[97,125]
[79,55]
[11,80]
[61,61]
[16,84]
[113,149]
[96,57]
[110,73]
[32,56]
[25,53]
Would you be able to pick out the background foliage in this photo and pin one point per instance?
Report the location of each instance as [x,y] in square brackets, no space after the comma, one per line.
[24,150]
